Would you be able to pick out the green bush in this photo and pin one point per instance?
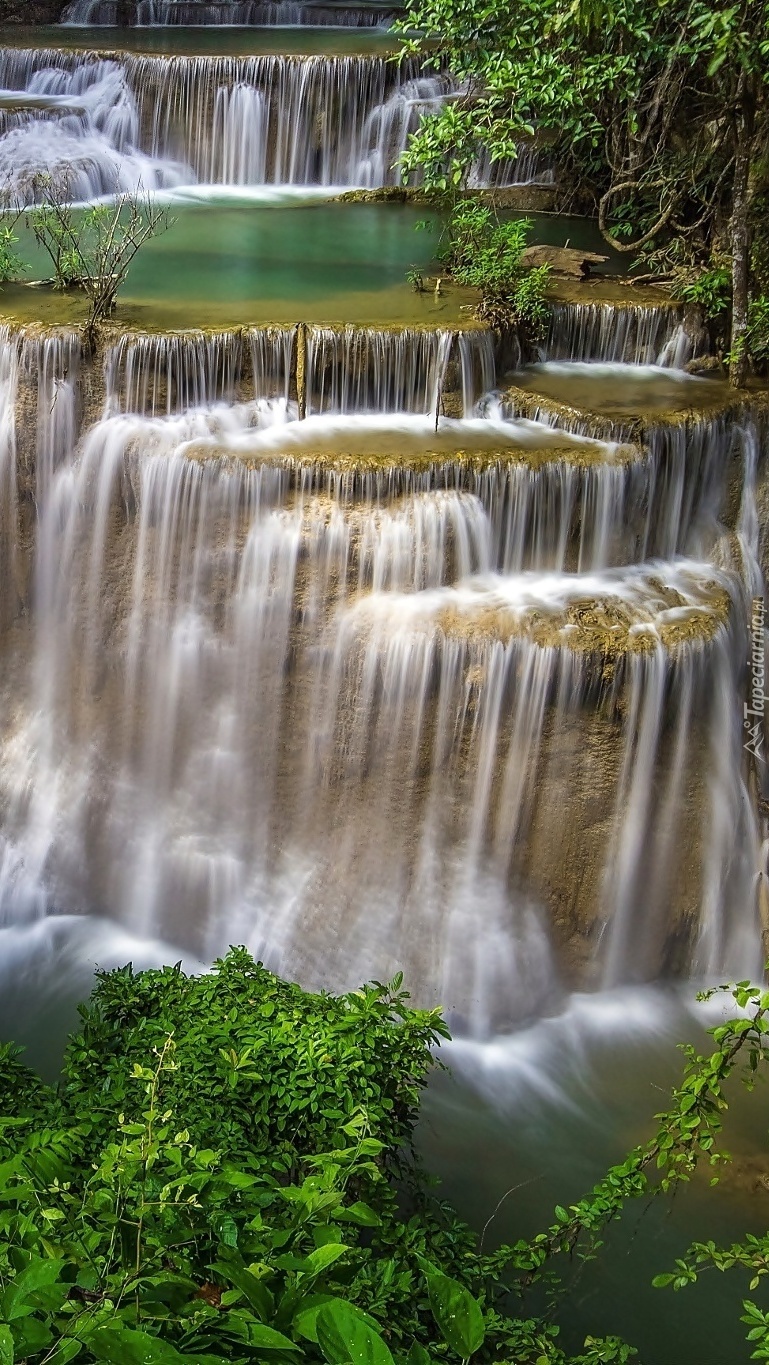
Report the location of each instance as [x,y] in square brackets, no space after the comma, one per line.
[11,264]
[758,329]
[223,1174]
[485,252]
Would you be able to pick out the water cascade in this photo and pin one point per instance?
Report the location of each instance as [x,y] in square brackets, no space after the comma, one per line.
[245,12]
[156,374]
[353,643]
[458,698]
[163,122]
[632,334]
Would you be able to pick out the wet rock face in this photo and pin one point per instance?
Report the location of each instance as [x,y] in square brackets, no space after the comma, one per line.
[30,11]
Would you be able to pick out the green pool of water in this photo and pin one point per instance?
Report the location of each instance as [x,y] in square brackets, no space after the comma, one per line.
[276,256]
[208,41]
[234,263]
[569,1100]
[621,391]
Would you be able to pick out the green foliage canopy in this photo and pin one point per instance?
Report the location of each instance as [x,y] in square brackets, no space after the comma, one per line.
[655,111]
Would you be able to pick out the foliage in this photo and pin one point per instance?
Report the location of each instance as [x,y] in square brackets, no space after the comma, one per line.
[486,252]
[712,290]
[221,1176]
[11,264]
[758,328]
[656,110]
[91,249]
[416,279]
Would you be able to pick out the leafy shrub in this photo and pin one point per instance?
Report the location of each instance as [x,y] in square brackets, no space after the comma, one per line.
[485,252]
[212,1180]
[758,329]
[222,1176]
[11,264]
[91,249]
[712,290]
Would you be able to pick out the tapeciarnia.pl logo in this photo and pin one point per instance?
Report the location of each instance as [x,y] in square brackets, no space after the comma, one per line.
[753,708]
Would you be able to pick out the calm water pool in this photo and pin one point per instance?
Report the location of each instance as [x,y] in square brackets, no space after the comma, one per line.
[282,256]
[205,41]
[279,258]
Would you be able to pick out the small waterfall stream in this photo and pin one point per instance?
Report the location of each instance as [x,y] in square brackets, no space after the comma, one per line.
[604,332]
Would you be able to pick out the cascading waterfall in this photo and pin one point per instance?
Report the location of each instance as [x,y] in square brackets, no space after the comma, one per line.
[621,333]
[39,401]
[391,716]
[81,123]
[673,500]
[369,370]
[161,122]
[283,12]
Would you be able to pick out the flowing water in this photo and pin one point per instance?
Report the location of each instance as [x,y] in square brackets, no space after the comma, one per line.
[112,123]
[478,626]
[329,628]
[151,13]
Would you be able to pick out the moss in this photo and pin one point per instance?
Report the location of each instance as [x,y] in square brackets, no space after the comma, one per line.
[606,627]
[363,462]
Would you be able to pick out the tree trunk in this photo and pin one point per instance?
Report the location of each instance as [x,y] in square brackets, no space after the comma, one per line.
[740,235]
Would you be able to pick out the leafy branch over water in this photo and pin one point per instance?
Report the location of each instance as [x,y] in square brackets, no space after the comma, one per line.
[224,1173]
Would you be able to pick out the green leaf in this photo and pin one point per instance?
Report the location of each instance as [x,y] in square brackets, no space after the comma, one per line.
[361,1214]
[320,1259]
[6,1345]
[457,1315]
[418,1355]
[66,1350]
[230,1267]
[345,1336]
[305,1320]
[267,1339]
[119,1345]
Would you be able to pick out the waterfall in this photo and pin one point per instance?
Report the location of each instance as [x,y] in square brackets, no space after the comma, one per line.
[9,378]
[161,122]
[341,691]
[368,370]
[38,425]
[608,332]
[173,372]
[155,374]
[272,353]
[51,368]
[238,12]
[83,124]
